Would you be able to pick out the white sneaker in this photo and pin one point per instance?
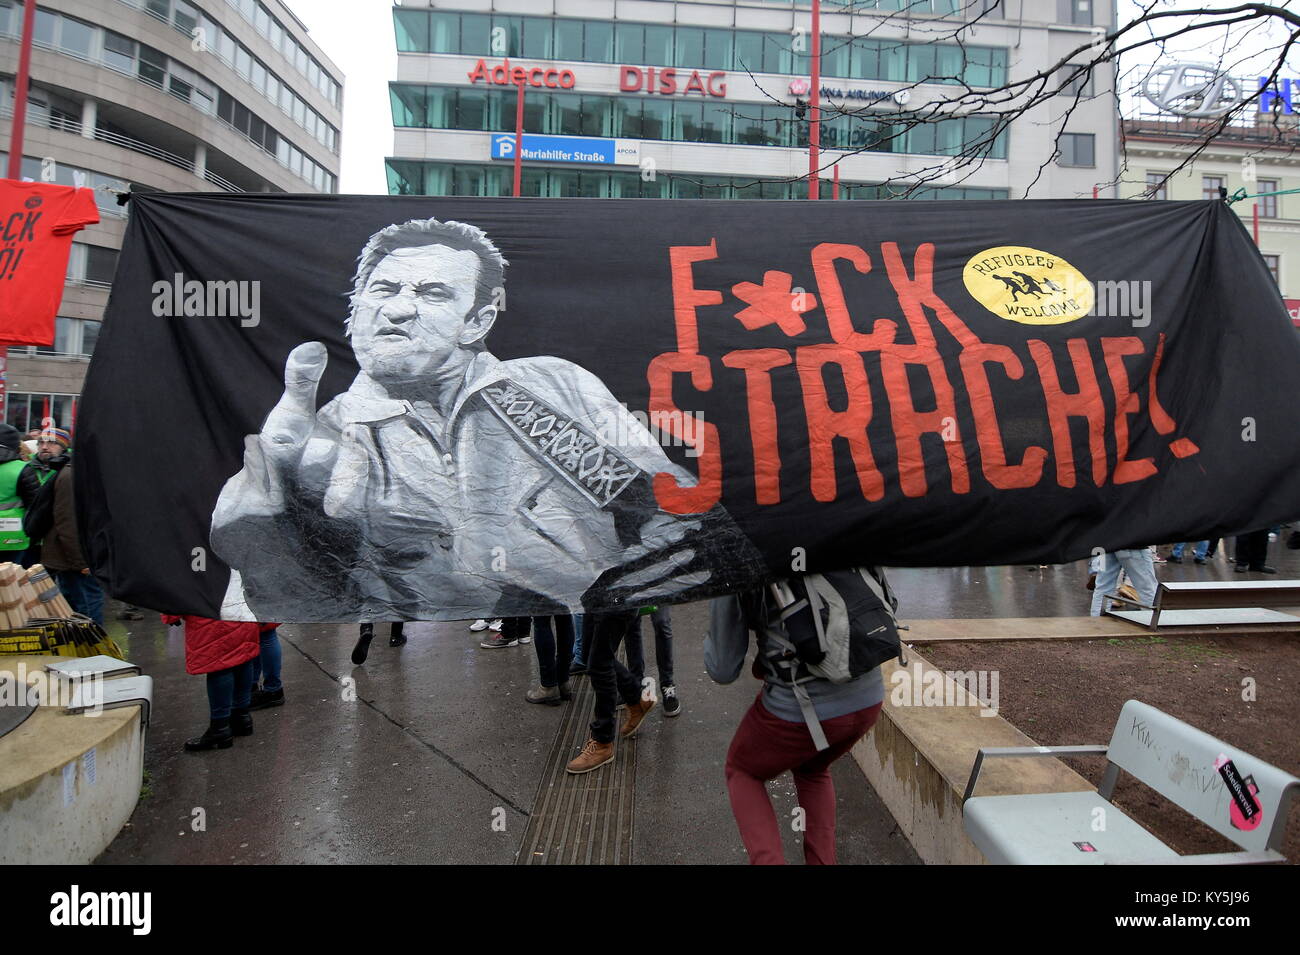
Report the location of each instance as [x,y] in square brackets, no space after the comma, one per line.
[495,625]
[478,625]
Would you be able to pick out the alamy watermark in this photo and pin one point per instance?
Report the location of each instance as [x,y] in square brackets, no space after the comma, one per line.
[913,686]
[43,688]
[670,428]
[209,299]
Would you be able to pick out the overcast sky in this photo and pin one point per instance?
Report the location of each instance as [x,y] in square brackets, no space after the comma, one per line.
[358,36]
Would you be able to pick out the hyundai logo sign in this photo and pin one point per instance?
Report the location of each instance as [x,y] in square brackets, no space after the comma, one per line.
[1194,90]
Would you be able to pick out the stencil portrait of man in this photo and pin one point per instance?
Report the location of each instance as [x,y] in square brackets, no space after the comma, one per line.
[446,483]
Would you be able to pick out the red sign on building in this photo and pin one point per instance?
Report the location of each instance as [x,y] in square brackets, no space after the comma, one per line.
[1293,306]
[668,81]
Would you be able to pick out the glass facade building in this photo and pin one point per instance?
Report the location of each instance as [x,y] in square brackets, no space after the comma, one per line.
[711,97]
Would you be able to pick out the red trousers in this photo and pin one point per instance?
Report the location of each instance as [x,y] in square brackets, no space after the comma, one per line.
[763,748]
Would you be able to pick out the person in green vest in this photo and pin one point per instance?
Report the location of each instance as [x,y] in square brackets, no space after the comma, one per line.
[13,542]
[51,456]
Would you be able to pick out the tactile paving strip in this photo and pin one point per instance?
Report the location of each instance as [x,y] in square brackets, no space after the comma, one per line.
[587,819]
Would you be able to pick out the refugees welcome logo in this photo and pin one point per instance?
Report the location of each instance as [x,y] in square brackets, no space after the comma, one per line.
[1028,285]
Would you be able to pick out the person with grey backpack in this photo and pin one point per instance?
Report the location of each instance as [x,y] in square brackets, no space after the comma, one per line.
[821,639]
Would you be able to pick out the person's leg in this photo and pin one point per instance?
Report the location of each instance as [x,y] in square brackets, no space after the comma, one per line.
[816,788]
[1201,551]
[663,625]
[1141,570]
[760,751]
[604,632]
[544,647]
[221,691]
[1252,549]
[1177,552]
[633,649]
[563,648]
[269,660]
[93,595]
[1107,580]
[579,646]
[397,634]
[362,649]
[241,685]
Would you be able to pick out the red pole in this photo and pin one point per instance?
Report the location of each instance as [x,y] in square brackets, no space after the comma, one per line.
[1254,211]
[1096,193]
[20,91]
[814,126]
[835,184]
[519,139]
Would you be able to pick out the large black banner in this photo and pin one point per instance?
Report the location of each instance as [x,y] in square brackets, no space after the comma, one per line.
[350,408]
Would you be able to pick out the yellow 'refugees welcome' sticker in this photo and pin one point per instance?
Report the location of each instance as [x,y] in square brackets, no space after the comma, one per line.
[1028,285]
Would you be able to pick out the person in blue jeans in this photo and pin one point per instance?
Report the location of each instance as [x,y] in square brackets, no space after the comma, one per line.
[61,553]
[579,664]
[1139,567]
[663,625]
[553,659]
[1200,552]
[266,670]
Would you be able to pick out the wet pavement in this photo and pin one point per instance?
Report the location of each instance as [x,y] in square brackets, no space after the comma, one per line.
[429,752]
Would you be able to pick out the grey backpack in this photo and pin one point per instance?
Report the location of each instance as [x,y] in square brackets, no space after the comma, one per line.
[837,626]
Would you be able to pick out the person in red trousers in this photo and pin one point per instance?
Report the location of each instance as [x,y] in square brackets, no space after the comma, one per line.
[773,736]
[223,650]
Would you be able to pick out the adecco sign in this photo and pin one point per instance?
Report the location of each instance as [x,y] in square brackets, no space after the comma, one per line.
[504,74]
[1293,308]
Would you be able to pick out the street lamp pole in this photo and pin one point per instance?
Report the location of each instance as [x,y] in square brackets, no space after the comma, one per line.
[20,92]
[814,127]
[519,139]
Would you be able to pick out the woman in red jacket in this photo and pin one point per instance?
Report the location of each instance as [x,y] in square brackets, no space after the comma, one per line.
[224,650]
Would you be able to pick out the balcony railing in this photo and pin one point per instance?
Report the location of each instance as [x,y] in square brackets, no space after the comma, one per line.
[38,116]
[205,107]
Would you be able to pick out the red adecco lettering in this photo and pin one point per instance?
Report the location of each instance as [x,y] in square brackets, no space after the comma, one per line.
[503,74]
[635,79]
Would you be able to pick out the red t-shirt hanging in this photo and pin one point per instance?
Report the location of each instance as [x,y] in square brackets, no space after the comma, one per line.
[37,222]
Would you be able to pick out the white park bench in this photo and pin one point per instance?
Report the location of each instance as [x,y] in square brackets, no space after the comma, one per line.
[1217,603]
[1176,760]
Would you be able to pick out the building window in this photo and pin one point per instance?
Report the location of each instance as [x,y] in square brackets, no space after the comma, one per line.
[1267,204]
[1157,185]
[1077,149]
[1076,85]
[1076,11]
[415,177]
[29,412]
[1211,186]
[680,120]
[1274,263]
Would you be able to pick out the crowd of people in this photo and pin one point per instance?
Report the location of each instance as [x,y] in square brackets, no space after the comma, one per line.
[241,661]
[38,513]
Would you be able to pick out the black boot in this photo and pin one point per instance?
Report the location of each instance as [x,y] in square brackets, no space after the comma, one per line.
[264,698]
[395,636]
[241,723]
[216,736]
[362,649]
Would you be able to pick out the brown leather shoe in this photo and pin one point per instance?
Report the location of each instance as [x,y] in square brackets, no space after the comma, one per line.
[593,756]
[633,717]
